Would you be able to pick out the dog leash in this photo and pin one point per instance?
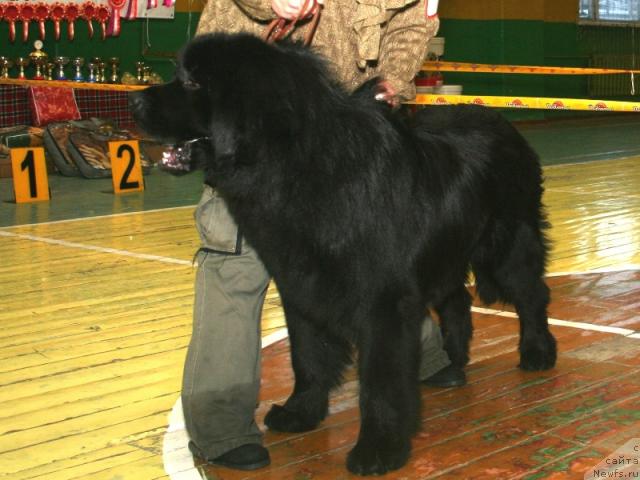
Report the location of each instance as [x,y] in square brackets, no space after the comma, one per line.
[281,28]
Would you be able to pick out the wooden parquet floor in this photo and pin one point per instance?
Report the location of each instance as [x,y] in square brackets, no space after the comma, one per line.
[95,318]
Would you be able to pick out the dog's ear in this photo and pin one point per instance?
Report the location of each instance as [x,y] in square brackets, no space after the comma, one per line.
[224,142]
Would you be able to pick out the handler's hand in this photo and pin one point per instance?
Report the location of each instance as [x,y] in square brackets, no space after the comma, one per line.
[291,9]
[386,93]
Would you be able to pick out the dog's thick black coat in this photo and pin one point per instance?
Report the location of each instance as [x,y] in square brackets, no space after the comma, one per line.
[364,219]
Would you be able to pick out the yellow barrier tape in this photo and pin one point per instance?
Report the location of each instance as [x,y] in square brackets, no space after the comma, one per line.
[545,103]
[527,69]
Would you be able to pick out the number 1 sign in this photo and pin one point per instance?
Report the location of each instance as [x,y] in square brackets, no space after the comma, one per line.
[30,180]
[126,168]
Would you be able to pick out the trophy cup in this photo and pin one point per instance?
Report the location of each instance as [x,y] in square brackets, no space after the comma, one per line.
[5,65]
[101,76]
[139,71]
[114,62]
[78,62]
[39,59]
[22,62]
[92,72]
[50,66]
[146,73]
[95,71]
[61,62]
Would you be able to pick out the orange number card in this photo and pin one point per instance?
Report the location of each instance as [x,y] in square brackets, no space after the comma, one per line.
[30,180]
[126,167]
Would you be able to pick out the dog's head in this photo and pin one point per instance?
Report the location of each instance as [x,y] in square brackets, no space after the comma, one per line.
[234,89]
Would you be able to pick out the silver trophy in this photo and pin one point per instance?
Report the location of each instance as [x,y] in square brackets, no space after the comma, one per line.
[78,62]
[61,62]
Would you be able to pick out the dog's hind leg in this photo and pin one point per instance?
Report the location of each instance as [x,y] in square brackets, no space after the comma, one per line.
[455,321]
[389,349]
[318,359]
[515,274]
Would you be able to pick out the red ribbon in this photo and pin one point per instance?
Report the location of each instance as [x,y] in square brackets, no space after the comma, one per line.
[168,3]
[88,13]
[132,11]
[11,14]
[72,12]
[102,15]
[41,14]
[57,14]
[27,12]
[114,23]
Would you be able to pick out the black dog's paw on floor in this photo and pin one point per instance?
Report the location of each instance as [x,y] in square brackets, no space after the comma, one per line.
[282,419]
[538,355]
[377,457]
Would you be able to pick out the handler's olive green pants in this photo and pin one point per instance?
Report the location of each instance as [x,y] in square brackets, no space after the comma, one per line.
[222,371]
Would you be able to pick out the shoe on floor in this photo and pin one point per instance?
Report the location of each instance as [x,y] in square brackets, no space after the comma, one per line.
[450,376]
[250,456]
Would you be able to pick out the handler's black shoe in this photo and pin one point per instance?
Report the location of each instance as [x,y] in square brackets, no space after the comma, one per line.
[450,376]
[250,456]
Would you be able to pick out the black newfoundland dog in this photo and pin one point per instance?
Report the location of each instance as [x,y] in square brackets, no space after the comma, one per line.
[365,217]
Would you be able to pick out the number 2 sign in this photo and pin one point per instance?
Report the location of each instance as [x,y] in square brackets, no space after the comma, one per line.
[126,168]
[30,180]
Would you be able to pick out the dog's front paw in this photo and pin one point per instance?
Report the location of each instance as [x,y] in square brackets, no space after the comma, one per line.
[538,354]
[281,419]
[377,457]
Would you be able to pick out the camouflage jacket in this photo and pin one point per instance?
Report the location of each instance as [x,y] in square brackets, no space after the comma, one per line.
[360,38]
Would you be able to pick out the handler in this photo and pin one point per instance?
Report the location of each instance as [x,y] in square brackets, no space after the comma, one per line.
[361,39]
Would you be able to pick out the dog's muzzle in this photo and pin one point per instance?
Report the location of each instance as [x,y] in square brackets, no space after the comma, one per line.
[176,159]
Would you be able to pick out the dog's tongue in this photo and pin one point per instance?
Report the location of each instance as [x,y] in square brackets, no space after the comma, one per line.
[176,159]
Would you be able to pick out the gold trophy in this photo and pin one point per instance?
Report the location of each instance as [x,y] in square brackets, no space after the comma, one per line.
[140,72]
[22,62]
[102,71]
[5,65]
[114,62]
[38,58]
[95,61]
[146,74]
[50,67]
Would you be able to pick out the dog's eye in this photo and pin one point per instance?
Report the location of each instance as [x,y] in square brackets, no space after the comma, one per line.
[189,85]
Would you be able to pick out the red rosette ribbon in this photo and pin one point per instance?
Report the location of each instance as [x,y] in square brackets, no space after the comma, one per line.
[168,3]
[132,10]
[152,4]
[102,15]
[114,24]
[57,15]
[27,13]
[41,15]
[71,12]
[11,14]
[88,12]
